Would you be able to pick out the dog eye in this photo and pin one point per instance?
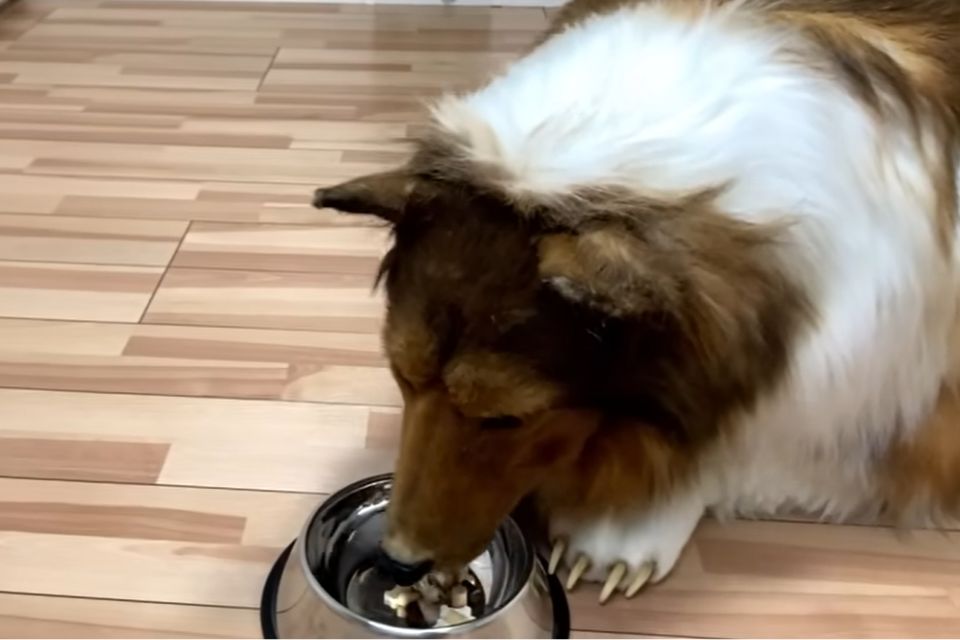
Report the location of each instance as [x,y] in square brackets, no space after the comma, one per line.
[501,422]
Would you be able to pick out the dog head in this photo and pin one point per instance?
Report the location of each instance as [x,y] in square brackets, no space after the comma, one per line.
[516,330]
[493,362]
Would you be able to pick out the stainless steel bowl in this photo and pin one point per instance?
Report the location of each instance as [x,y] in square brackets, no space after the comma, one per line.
[323,585]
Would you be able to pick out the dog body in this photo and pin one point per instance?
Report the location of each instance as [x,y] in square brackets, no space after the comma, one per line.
[684,256]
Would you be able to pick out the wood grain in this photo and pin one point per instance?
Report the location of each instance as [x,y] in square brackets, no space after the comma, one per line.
[195,361]
[243,444]
[343,249]
[75,291]
[268,300]
[190,355]
[82,240]
[774,579]
[27,616]
[91,460]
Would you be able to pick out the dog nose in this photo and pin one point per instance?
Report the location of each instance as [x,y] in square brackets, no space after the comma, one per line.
[402,573]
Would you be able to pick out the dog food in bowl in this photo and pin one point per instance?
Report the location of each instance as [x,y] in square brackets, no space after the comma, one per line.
[328,584]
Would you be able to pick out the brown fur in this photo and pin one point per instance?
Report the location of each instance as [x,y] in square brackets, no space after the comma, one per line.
[585,348]
[457,477]
[903,60]
[922,476]
[680,317]
[628,465]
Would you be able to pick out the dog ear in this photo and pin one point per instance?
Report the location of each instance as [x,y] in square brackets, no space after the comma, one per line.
[384,195]
[607,268]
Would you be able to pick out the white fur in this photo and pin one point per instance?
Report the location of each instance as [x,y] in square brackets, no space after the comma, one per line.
[660,103]
[657,535]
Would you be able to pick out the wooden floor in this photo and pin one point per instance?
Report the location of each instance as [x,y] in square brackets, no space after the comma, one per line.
[189,356]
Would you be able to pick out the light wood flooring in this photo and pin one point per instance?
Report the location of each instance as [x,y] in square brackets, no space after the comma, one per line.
[189,356]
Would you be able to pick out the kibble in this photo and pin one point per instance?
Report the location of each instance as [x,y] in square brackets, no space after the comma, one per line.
[458,596]
[429,588]
[429,602]
[450,616]
[400,598]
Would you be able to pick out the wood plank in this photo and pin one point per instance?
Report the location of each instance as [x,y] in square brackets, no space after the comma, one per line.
[165,162]
[349,250]
[254,345]
[146,570]
[119,521]
[81,240]
[241,444]
[43,194]
[75,291]
[28,616]
[40,337]
[773,579]
[203,209]
[195,361]
[257,299]
[218,549]
[89,460]
[189,514]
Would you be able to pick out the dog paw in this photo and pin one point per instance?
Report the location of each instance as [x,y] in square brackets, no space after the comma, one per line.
[619,575]
[623,553]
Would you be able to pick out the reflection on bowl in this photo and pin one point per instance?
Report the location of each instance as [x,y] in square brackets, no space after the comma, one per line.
[325,584]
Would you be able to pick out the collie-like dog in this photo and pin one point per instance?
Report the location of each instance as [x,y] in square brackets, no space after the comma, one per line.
[683,257]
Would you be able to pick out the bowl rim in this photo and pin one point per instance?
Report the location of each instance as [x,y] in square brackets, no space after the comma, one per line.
[387,629]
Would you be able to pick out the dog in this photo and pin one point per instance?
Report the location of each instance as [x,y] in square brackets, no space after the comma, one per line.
[682,257]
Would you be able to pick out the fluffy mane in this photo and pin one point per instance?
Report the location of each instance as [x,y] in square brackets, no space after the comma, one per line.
[685,255]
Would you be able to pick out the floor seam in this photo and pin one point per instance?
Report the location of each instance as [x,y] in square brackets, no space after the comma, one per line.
[266,72]
[130,600]
[163,276]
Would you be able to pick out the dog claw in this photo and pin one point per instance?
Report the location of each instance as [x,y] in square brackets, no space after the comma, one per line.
[556,555]
[642,577]
[614,578]
[579,568]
